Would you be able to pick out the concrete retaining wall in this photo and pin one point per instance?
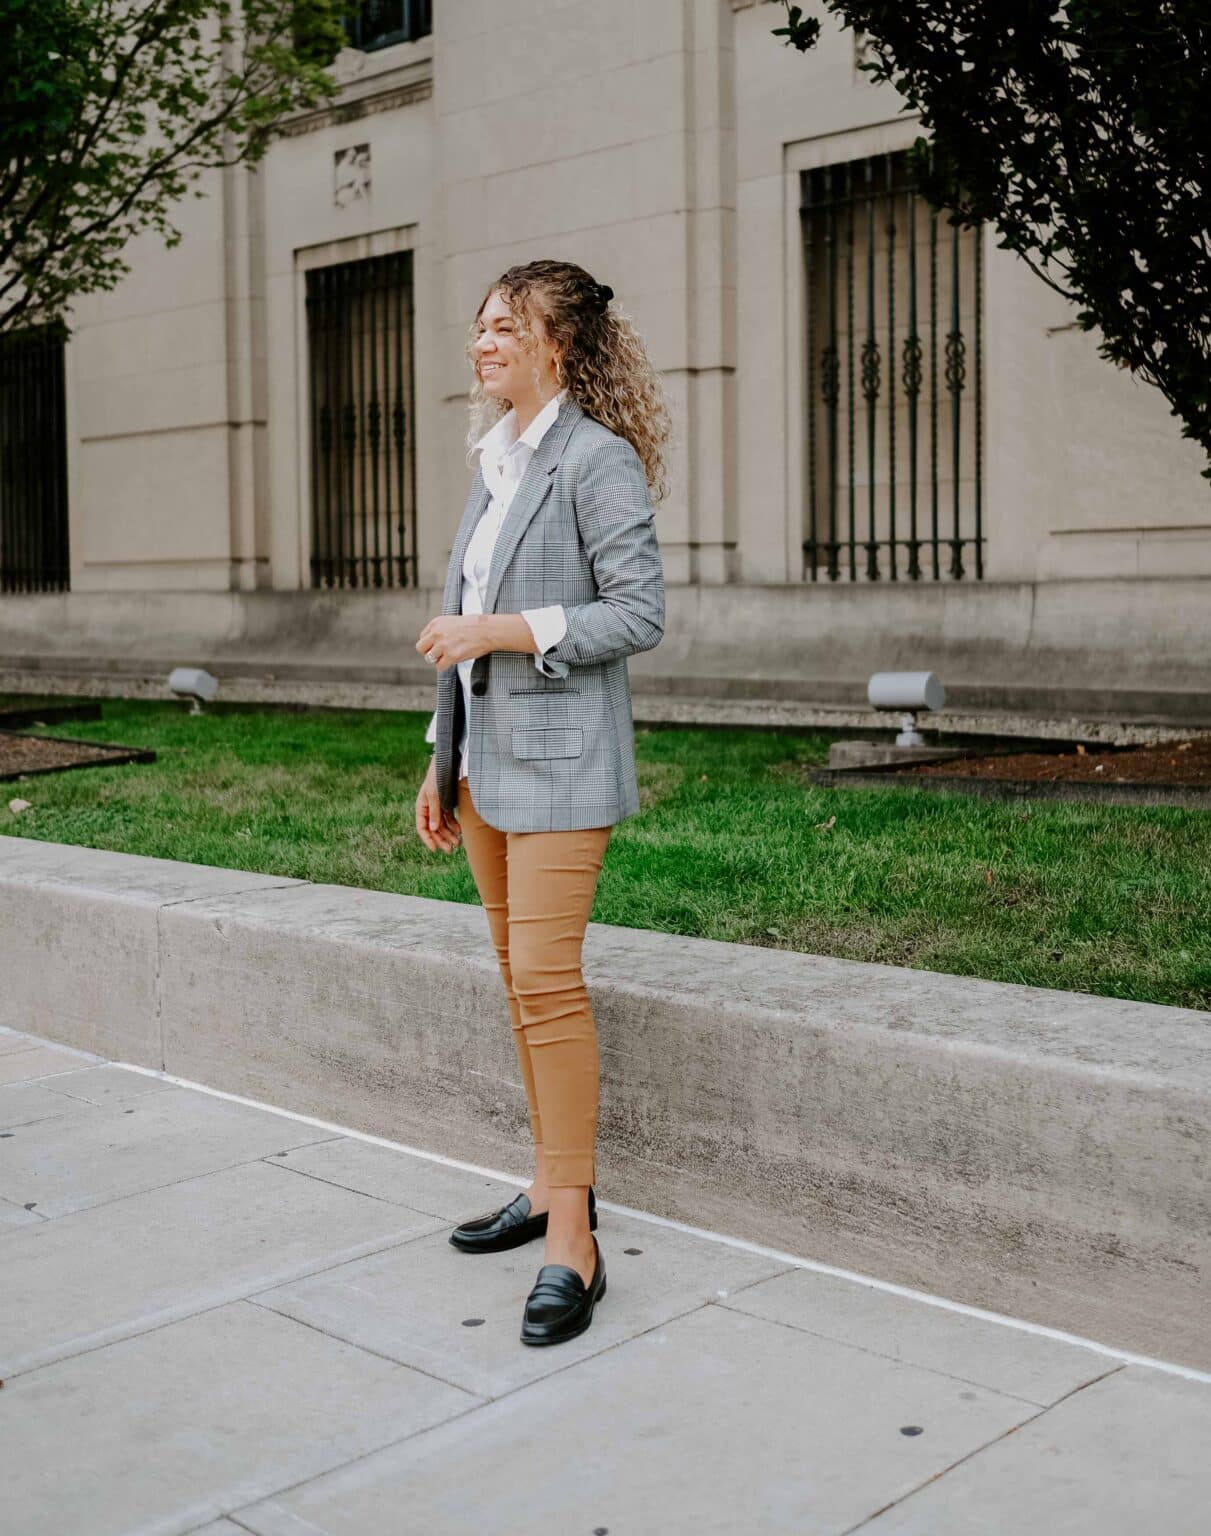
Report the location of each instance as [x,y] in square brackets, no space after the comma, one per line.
[1037,1152]
[1129,649]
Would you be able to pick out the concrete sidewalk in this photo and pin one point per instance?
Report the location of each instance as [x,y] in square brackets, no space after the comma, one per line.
[222,1318]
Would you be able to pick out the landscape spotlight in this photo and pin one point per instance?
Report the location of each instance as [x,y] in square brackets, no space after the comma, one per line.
[193,683]
[906,692]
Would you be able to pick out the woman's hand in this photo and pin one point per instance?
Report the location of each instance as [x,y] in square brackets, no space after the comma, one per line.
[435,827]
[453,637]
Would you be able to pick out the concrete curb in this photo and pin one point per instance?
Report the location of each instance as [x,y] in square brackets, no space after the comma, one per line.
[1041,1153]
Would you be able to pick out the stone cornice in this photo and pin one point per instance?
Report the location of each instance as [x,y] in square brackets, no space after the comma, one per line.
[362,98]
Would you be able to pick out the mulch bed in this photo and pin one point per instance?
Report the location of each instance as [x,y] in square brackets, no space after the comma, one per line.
[1186,762]
[21,754]
[1170,773]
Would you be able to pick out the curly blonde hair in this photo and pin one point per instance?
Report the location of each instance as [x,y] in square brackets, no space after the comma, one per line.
[602,358]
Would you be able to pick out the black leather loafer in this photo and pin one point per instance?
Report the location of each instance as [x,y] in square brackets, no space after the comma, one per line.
[560,1305]
[508,1227]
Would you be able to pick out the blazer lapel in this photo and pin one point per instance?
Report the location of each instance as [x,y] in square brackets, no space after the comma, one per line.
[530,494]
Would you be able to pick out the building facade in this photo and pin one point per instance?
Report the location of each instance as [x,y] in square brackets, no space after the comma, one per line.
[893,447]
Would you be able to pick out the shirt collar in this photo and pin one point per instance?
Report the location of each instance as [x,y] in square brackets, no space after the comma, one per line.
[503,434]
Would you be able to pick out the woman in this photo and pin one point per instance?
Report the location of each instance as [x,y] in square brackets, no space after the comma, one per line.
[554,579]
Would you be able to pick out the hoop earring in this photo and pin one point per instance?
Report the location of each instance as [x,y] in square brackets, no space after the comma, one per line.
[561,378]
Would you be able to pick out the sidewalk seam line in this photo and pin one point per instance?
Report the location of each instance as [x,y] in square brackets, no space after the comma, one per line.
[976,1451]
[478,1407]
[308,1173]
[881,1354]
[215,1306]
[151,1189]
[368,1349]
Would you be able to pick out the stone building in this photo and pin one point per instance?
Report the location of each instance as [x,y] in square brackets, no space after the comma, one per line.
[893,448]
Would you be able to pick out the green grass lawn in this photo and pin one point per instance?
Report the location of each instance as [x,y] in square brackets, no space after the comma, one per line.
[731,843]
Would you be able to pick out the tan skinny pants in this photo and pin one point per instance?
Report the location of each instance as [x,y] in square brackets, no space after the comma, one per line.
[537,889]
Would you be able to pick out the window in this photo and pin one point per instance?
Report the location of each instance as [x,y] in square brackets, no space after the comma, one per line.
[379,23]
[363,437]
[893,386]
[33,462]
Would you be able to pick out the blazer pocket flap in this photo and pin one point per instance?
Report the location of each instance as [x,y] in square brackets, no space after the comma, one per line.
[548,741]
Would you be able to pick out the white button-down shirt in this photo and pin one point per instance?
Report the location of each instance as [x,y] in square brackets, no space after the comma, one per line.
[504,457]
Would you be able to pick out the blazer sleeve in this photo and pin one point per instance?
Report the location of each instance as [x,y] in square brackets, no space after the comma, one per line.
[618,529]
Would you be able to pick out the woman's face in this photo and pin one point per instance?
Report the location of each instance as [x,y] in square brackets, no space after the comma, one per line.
[506,371]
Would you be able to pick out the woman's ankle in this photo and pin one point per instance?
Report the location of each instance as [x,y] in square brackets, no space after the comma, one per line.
[569,1211]
[539,1197]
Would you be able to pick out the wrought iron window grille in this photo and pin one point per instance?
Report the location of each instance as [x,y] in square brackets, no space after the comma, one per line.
[893,382]
[33,461]
[362,423]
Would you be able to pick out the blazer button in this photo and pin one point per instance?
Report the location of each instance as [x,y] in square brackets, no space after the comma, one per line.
[479,685]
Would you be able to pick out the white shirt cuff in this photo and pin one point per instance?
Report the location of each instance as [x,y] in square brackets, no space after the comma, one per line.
[431,729]
[548,626]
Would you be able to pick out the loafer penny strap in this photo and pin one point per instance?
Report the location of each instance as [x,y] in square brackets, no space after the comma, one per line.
[518,1209]
[511,1215]
[558,1282]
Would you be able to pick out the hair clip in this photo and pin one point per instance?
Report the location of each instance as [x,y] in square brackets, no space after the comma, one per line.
[604,294]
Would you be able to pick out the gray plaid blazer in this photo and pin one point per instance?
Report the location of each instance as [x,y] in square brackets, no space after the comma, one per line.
[551,746]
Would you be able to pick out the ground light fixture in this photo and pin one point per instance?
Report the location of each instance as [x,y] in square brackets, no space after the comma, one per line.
[906,693]
[193,683]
